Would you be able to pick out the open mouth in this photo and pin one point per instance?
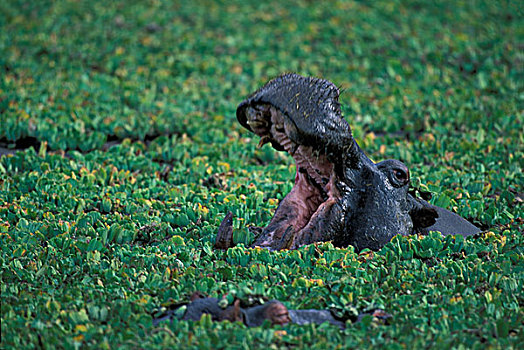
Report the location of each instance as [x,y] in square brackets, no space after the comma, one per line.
[315,177]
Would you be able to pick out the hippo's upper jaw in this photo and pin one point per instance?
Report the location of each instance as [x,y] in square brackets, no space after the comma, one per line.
[339,193]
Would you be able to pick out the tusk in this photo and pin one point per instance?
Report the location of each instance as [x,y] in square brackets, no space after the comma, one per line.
[263,140]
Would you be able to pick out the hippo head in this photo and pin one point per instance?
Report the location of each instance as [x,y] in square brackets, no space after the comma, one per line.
[339,193]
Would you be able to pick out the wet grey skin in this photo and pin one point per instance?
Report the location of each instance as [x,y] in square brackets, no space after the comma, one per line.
[273,311]
[339,195]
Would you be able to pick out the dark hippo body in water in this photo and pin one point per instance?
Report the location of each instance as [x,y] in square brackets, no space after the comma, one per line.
[339,195]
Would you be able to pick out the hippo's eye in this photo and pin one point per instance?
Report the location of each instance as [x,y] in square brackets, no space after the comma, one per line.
[396,171]
[401,176]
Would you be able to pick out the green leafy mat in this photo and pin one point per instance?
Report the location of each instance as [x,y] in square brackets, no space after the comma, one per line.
[137,156]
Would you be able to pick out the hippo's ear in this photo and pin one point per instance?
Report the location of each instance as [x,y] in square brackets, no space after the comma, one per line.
[427,218]
[422,213]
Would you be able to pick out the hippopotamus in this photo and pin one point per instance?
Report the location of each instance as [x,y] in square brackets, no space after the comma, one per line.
[273,311]
[340,194]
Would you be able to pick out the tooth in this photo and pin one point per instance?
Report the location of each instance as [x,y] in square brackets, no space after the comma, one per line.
[293,149]
[263,140]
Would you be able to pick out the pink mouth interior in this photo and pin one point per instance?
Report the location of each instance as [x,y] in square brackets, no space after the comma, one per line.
[314,179]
